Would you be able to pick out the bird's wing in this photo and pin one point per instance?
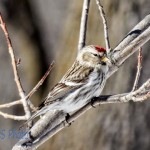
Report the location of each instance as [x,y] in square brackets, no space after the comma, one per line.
[75,77]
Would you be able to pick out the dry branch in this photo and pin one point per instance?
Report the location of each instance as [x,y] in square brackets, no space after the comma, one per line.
[41,81]
[8,116]
[139,67]
[102,13]
[7,105]
[83,25]
[15,70]
[38,85]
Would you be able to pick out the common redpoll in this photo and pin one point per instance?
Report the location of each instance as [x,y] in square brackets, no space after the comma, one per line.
[83,81]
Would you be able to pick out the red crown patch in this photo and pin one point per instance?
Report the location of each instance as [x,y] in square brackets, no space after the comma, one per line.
[100,49]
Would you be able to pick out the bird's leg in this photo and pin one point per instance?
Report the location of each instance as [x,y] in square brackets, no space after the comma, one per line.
[66,119]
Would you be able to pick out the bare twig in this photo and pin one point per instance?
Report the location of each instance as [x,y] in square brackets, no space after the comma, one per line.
[8,116]
[38,85]
[7,105]
[16,75]
[102,13]
[83,25]
[139,67]
[41,81]
[11,52]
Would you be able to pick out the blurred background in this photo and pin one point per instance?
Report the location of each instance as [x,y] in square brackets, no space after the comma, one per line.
[42,31]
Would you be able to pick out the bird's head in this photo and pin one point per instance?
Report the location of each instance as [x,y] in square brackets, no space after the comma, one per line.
[93,56]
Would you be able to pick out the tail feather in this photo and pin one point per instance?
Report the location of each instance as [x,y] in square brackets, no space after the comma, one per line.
[36,114]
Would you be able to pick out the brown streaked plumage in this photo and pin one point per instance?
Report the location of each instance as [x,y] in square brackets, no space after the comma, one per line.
[84,80]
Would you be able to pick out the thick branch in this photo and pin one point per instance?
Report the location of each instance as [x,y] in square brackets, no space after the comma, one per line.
[137,37]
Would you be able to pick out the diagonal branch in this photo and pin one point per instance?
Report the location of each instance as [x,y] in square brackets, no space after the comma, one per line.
[137,37]
[41,81]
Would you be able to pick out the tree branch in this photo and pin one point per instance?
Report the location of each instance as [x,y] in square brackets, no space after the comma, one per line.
[7,105]
[83,25]
[102,13]
[41,81]
[137,37]
[14,117]
[139,67]
[15,70]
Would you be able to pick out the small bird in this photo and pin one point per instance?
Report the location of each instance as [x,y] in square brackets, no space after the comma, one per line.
[83,81]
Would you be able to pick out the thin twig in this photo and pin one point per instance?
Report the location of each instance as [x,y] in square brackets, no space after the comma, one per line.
[38,85]
[7,105]
[11,52]
[41,81]
[14,117]
[83,24]
[16,75]
[102,13]
[139,67]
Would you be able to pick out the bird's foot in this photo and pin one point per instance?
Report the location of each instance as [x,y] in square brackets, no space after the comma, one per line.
[92,102]
[67,117]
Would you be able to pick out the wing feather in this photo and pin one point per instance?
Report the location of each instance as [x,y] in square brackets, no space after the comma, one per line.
[75,77]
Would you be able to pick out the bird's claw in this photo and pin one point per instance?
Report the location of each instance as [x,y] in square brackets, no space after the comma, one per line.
[92,102]
[66,119]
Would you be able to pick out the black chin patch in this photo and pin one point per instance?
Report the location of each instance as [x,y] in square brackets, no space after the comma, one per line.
[103,63]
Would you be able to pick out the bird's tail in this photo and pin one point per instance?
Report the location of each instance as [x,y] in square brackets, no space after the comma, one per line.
[36,114]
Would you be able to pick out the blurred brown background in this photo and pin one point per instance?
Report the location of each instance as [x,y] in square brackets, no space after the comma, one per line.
[42,31]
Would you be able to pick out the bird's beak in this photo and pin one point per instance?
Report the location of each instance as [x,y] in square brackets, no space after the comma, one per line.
[105,59]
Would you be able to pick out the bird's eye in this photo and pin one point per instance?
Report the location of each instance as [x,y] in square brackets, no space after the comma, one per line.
[95,55]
